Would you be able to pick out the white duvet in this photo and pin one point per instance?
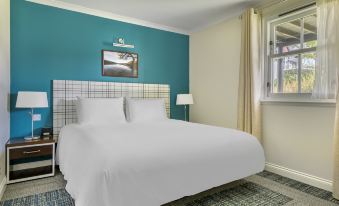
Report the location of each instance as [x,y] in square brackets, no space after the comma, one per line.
[149,164]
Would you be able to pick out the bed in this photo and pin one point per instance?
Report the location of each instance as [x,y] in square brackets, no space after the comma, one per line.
[151,163]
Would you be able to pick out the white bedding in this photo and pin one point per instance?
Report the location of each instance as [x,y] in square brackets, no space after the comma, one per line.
[149,164]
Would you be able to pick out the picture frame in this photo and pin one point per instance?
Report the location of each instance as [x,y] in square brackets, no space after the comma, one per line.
[119,64]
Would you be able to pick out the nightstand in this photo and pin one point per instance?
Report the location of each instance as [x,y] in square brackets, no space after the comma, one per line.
[28,160]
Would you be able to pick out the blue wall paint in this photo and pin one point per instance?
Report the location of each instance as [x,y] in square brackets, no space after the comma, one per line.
[49,43]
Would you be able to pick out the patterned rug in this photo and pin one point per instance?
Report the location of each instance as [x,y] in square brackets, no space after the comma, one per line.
[265,188]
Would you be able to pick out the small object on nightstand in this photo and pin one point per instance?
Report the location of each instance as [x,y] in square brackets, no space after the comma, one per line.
[29,138]
[46,132]
[28,160]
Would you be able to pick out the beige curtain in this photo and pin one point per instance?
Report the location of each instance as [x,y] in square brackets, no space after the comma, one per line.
[249,111]
[333,9]
[336,153]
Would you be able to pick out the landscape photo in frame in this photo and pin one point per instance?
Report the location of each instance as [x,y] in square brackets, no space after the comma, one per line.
[119,64]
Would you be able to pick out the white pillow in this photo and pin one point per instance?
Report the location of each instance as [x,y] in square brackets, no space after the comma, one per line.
[142,110]
[100,111]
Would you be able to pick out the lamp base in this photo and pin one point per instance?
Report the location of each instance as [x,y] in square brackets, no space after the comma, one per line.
[30,138]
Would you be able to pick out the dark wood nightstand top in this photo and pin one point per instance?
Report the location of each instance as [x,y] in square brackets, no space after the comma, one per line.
[23,142]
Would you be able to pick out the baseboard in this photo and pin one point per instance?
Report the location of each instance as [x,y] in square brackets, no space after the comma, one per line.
[2,187]
[300,176]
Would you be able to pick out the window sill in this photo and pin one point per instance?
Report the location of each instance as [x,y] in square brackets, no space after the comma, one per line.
[299,102]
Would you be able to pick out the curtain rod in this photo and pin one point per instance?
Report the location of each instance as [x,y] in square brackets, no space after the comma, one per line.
[297,9]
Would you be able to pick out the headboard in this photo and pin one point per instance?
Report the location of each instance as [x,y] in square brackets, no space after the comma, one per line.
[65,93]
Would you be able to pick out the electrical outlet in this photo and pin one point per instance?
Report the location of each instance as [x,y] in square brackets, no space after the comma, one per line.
[37,117]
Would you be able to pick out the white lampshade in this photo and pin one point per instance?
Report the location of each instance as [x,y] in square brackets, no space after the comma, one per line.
[184,99]
[32,100]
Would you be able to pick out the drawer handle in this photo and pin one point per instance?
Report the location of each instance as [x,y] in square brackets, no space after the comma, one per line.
[31,152]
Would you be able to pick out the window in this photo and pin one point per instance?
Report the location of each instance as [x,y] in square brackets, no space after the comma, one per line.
[292,43]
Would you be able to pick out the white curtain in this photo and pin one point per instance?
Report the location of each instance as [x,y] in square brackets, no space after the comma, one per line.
[325,86]
[327,73]
[249,110]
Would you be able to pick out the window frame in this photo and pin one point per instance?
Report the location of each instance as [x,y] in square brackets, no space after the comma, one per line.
[269,25]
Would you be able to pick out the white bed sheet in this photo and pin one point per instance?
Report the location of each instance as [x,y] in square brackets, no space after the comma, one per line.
[149,164]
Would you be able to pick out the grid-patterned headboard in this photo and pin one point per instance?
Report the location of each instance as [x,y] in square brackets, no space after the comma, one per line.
[65,93]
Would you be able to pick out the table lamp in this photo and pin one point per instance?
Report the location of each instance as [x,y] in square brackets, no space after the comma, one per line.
[32,100]
[185,99]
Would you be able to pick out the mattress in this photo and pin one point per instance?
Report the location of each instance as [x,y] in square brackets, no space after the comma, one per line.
[152,163]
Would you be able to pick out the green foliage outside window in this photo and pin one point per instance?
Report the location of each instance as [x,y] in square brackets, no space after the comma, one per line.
[290,76]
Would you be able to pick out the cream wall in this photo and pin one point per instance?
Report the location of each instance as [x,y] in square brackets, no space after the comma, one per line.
[4,80]
[297,137]
[214,63]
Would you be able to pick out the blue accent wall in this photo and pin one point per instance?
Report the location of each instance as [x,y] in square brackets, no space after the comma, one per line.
[48,43]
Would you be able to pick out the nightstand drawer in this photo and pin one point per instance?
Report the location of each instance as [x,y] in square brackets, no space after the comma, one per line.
[20,174]
[34,151]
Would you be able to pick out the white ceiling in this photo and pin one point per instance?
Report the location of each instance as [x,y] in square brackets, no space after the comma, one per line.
[184,15]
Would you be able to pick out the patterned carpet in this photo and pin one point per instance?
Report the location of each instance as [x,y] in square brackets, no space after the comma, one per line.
[265,188]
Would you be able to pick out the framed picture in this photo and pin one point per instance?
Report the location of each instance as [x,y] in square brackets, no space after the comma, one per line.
[119,64]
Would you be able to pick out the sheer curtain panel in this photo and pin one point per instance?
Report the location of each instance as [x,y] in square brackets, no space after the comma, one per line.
[325,85]
[327,72]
